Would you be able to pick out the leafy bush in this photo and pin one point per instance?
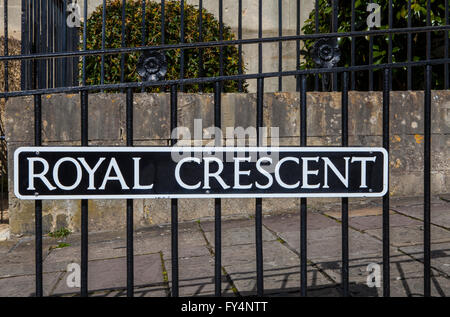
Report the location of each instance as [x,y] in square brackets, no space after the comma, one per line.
[153,37]
[380,43]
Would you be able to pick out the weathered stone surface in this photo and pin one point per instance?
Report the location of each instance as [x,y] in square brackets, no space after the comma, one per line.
[376,222]
[196,277]
[440,255]
[61,126]
[25,286]
[440,212]
[281,269]
[440,287]
[111,274]
[404,236]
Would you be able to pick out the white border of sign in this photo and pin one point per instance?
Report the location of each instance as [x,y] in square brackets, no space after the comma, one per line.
[202,149]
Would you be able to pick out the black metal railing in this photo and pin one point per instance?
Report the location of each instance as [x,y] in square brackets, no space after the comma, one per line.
[50,57]
[45,30]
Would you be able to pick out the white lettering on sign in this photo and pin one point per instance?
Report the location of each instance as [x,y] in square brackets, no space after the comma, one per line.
[299,172]
[260,169]
[307,172]
[177,173]
[363,161]
[137,184]
[277,172]
[41,175]
[238,172]
[333,167]
[118,177]
[216,175]
[91,171]
[56,173]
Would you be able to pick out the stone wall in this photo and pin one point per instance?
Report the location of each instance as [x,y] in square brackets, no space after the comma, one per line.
[61,126]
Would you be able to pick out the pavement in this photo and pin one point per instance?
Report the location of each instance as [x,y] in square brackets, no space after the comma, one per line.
[281,236]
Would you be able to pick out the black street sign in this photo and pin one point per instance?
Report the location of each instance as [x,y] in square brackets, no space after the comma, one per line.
[184,172]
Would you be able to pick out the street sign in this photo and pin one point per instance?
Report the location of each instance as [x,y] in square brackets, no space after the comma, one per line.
[185,172]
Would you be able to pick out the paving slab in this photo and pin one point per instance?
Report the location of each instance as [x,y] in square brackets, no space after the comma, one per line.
[440,212]
[405,236]
[291,222]
[401,267]
[25,286]
[190,243]
[15,264]
[359,212]
[6,246]
[412,201]
[440,287]
[238,236]
[311,292]
[110,274]
[281,268]
[325,244]
[440,255]
[208,226]
[376,222]
[196,277]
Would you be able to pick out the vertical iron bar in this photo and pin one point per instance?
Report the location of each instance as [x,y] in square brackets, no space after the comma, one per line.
[344,216]
[143,28]
[409,52]
[260,34]
[259,124]
[58,43]
[5,43]
[303,201]
[427,185]
[163,21]
[44,44]
[391,26]
[24,39]
[34,40]
[84,202]
[427,166]
[221,39]
[182,41]
[335,29]
[240,66]
[297,43]
[64,43]
[428,32]
[174,202]
[258,211]
[386,236]
[163,27]
[217,201]
[123,42]
[102,66]
[353,47]
[446,44]
[38,203]
[39,43]
[280,44]
[50,44]
[317,29]
[200,39]
[130,252]
[84,39]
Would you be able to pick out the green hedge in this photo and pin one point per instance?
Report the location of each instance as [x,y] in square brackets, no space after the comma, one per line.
[380,52]
[153,37]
